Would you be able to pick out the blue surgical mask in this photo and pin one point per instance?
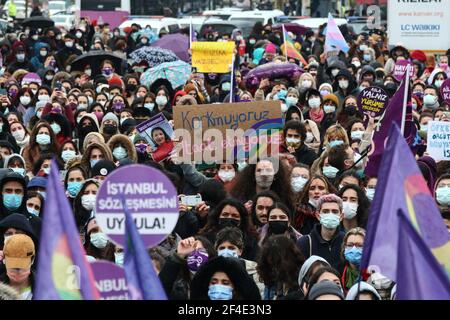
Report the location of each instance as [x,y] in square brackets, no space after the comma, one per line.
[353,255]
[149,106]
[33,212]
[330,172]
[367,57]
[370,192]
[73,188]
[291,101]
[443,196]
[93,162]
[329,220]
[120,153]
[227,253]
[335,143]
[226,86]
[43,139]
[220,292]
[20,171]
[12,201]
[66,155]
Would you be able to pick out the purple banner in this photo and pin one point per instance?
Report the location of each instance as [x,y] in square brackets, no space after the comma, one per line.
[445,91]
[110,280]
[149,195]
[400,69]
[373,100]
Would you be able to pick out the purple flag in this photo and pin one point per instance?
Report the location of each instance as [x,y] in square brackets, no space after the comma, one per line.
[419,275]
[401,186]
[63,272]
[393,114]
[142,281]
[192,37]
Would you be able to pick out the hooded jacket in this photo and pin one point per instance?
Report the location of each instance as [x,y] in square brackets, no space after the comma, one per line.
[244,286]
[85,160]
[87,138]
[339,92]
[126,143]
[38,61]
[5,134]
[222,94]
[20,222]
[12,176]
[15,65]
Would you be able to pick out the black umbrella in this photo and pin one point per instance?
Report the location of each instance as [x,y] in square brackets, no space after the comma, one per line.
[38,22]
[94,59]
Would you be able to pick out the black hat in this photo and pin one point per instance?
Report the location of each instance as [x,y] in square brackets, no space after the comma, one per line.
[103,168]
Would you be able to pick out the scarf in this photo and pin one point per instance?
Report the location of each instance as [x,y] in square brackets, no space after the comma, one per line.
[316,117]
[351,276]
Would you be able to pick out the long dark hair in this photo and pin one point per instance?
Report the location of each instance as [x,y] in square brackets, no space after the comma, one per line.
[81,214]
[280,262]
[245,184]
[246,225]
[362,214]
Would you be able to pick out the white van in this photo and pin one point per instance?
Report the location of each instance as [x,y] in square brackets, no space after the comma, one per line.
[170,25]
[263,16]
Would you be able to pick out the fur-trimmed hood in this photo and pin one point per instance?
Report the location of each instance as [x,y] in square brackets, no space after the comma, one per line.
[85,160]
[126,143]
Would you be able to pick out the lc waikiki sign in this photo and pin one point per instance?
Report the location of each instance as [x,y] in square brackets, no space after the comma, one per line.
[419,24]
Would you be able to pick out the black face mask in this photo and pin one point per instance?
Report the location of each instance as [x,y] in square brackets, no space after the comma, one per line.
[228,222]
[131,87]
[278,227]
[109,129]
[350,110]
[87,129]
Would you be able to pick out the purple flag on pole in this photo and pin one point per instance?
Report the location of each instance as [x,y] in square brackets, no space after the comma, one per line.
[63,272]
[393,114]
[142,281]
[401,186]
[419,275]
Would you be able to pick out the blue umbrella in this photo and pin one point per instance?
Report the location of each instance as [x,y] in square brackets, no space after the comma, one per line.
[177,73]
[153,55]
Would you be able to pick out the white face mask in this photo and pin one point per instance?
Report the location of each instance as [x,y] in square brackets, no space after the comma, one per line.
[19,135]
[306,84]
[297,183]
[44,97]
[350,209]
[343,84]
[357,135]
[99,240]
[161,100]
[335,72]
[314,103]
[309,137]
[226,176]
[88,201]
[24,100]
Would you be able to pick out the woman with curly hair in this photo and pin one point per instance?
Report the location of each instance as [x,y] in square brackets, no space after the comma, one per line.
[305,216]
[232,213]
[278,268]
[263,176]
